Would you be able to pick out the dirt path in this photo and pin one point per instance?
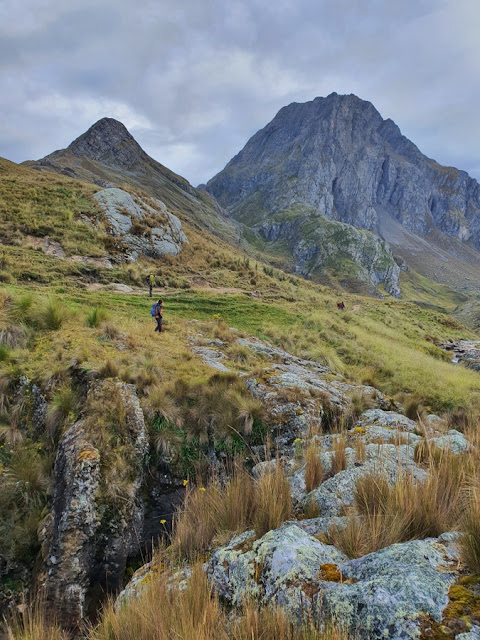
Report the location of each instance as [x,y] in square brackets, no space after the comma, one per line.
[118,287]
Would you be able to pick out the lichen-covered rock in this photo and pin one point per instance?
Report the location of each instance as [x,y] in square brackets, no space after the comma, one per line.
[393,589]
[388,460]
[377,433]
[317,526]
[211,357]
[88,535]
[473,634]
[453,441]
[277,568]
[131,219]
[386,419]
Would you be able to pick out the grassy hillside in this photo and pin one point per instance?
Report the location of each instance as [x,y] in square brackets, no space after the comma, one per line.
[391,343]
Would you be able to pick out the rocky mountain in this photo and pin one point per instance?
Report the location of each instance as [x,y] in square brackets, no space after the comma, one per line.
[337,159]
[109,156]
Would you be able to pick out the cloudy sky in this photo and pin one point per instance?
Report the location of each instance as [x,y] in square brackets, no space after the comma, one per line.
[193,79]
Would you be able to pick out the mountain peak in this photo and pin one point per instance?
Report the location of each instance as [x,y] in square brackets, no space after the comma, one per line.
[108,141]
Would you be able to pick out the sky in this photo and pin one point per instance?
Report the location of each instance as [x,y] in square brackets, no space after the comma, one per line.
[193,80]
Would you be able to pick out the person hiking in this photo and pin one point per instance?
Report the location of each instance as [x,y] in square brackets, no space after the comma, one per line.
[159,315]
[151,282]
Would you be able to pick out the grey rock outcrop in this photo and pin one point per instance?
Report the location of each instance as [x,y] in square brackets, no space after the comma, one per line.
[393,589]
[87,538]
[386,594]
[386,460]
[146,228]
[275,568]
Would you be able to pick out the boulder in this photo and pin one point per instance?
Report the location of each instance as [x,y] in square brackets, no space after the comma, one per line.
[279,567]
[338,492]
[145,227]
[392,590]
[452,441]
[390,419]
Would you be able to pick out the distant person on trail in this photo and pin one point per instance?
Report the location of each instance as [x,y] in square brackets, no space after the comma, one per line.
[341,305]
[151,282]
[159,315]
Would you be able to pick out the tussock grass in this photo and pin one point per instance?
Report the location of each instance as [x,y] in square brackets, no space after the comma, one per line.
[470,527]
[32,624]
[407,510]
[212,511]
[50,315]
[314,472]
[339,458]
[95,317]
[273,502]
[60,408]
[195,613]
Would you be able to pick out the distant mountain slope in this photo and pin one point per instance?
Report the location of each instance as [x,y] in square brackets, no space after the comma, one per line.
[338,157]
[108,155]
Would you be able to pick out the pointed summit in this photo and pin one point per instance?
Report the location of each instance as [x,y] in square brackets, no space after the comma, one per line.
[108,141]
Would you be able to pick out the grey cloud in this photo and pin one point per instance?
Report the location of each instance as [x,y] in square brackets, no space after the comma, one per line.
[195,79]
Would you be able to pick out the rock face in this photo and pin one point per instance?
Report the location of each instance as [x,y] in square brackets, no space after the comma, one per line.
[337,159]
[86,538]
[146,228]
[466,352]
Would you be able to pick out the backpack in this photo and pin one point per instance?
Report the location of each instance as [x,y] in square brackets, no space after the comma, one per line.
[152,311]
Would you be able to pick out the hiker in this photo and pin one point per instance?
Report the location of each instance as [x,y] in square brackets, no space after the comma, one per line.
[159,315]
[341,305]
[151,282]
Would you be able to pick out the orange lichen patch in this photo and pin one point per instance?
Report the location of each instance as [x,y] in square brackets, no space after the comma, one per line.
[329,572]
[89,455]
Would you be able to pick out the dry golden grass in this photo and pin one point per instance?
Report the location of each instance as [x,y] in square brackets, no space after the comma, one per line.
[339,459]
[195,613]
[273,502]
[470,527]
[314,472]
[32,624]
[213,512]
[360,450]
[407,510]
